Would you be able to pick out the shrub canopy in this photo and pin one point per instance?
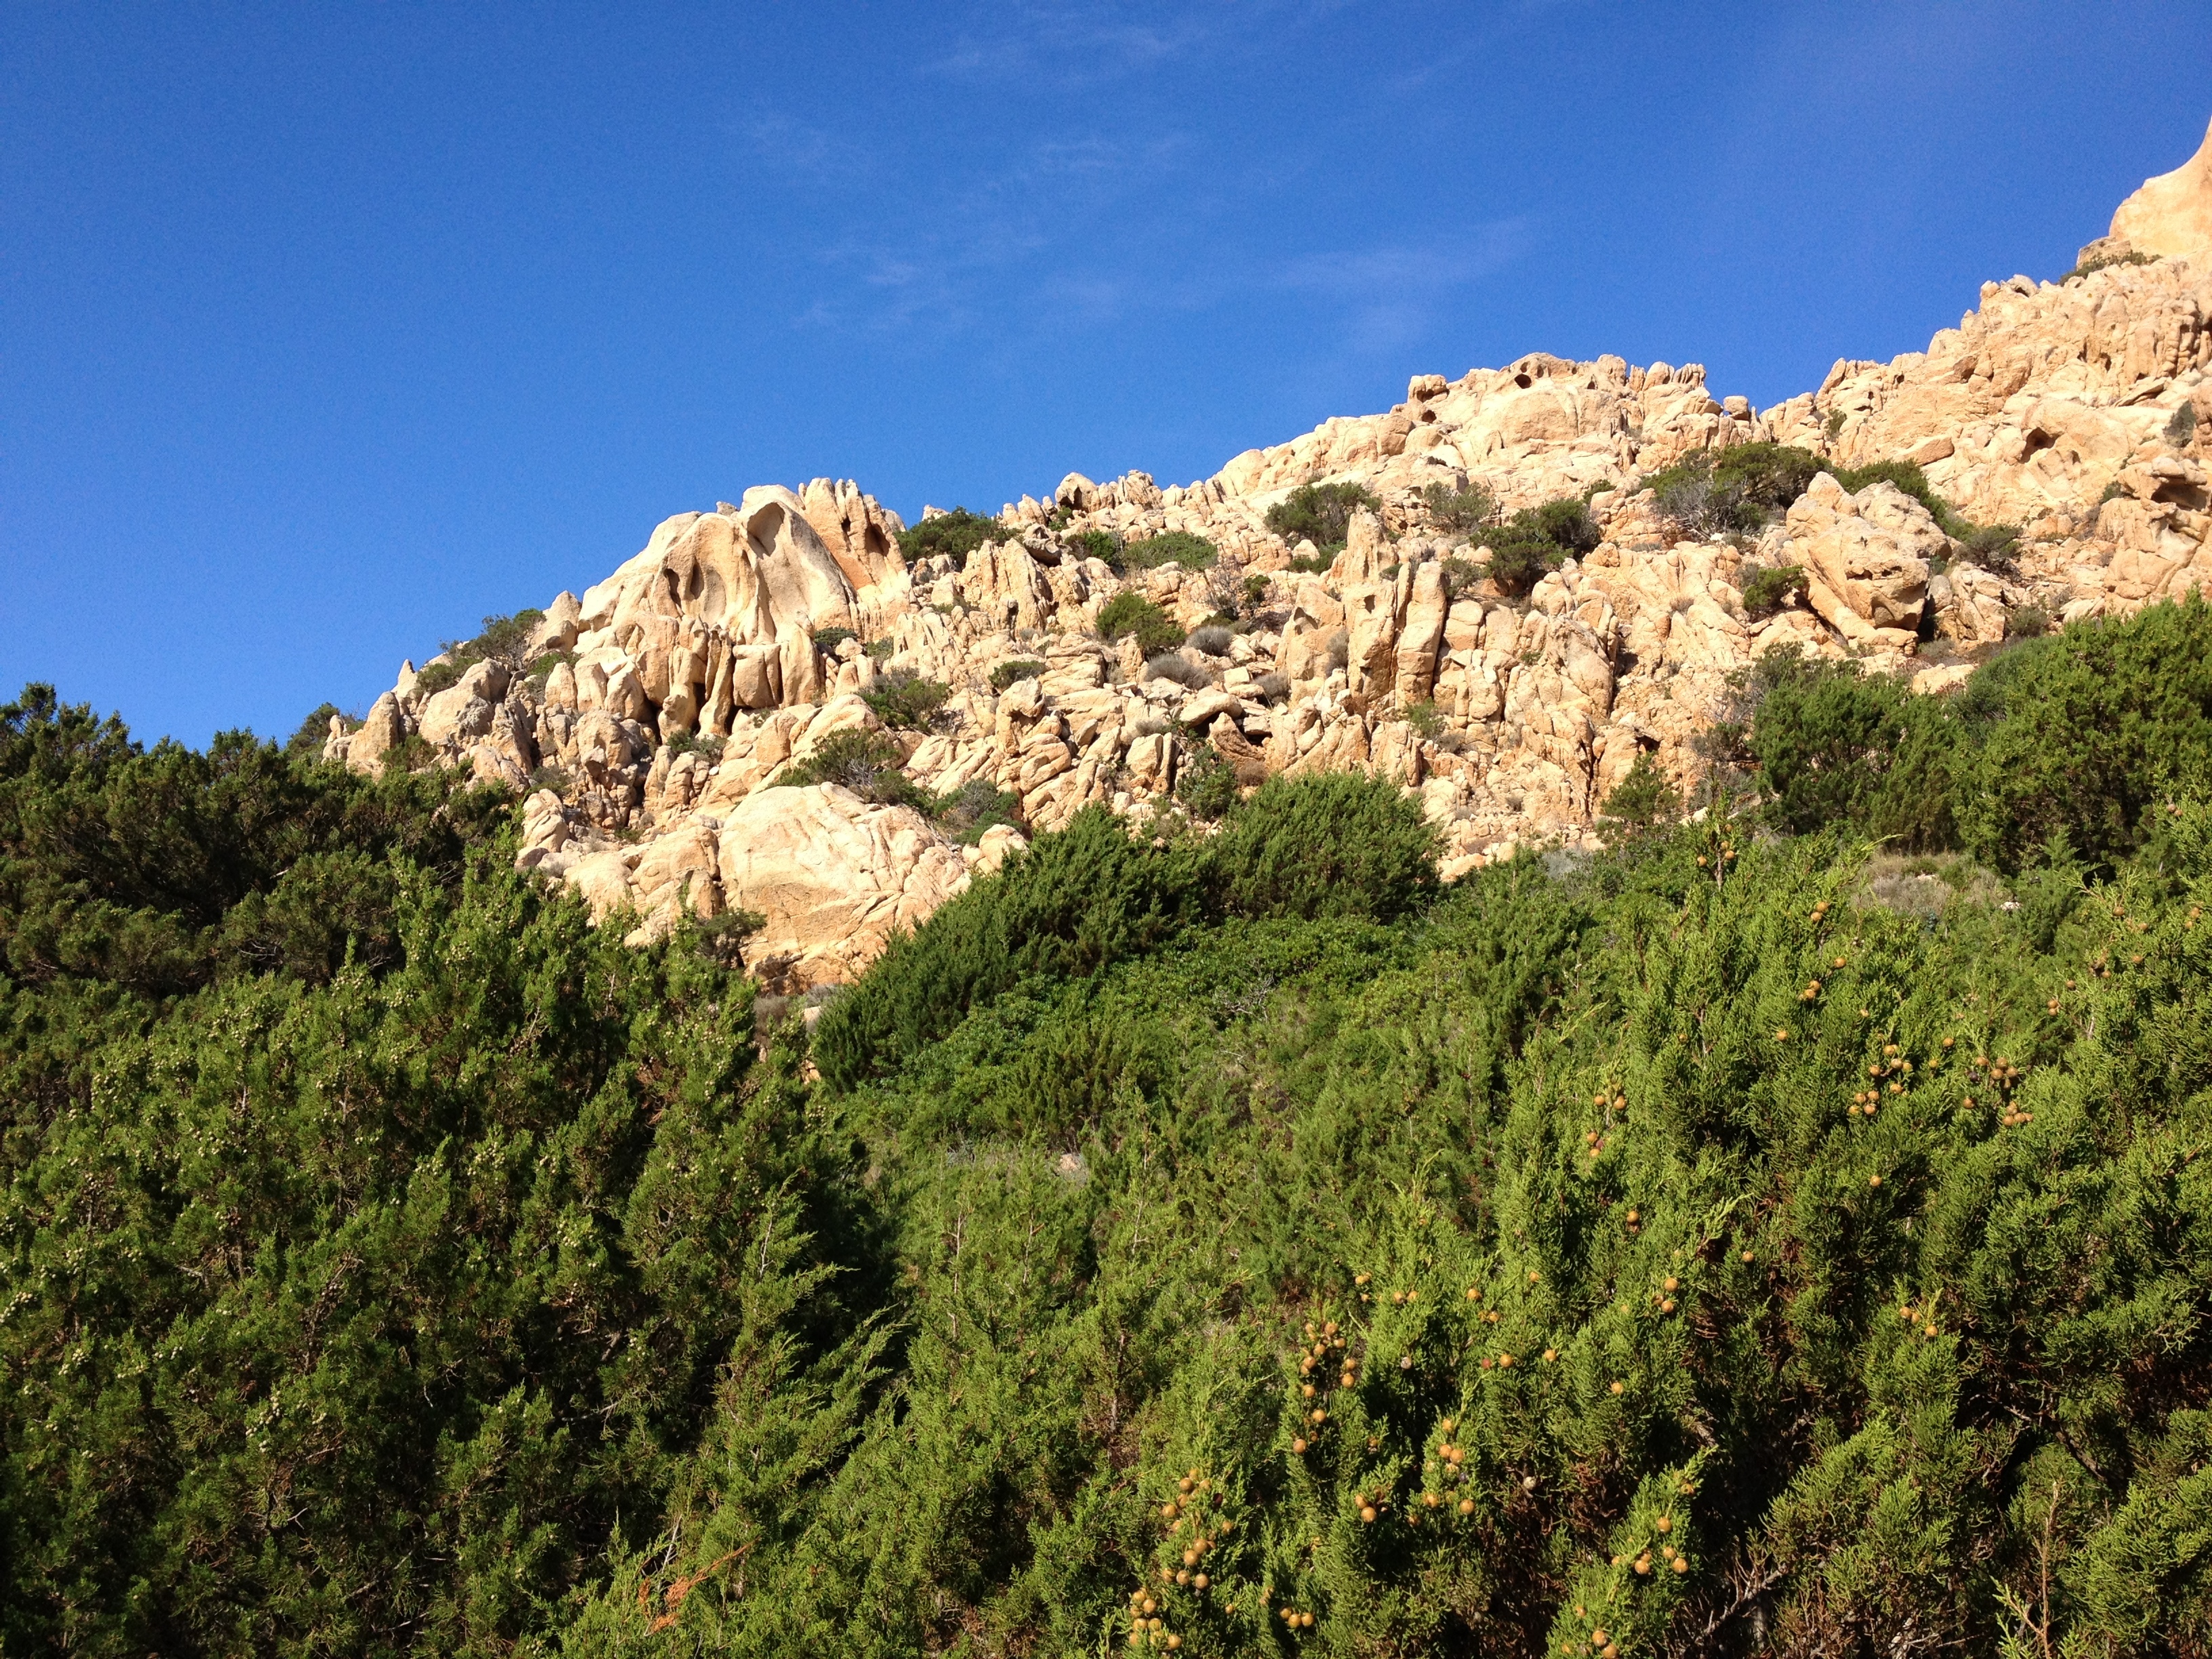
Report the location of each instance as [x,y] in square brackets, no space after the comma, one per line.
[955,534]
[1743,1242]
[1320,514]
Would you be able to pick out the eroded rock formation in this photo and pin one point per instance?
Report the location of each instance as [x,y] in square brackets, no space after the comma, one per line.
[683,688]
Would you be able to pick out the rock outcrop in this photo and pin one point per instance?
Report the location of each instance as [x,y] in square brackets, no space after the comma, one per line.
[654,722]
[2172,214]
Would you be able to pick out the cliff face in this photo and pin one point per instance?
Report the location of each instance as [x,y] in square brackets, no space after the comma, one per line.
[691,679]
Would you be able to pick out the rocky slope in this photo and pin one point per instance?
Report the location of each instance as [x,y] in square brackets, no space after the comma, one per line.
[688,680]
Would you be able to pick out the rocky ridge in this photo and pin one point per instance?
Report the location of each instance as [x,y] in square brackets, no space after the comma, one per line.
[684,686]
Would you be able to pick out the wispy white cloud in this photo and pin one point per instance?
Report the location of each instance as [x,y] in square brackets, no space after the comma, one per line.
[797,150]
[1073,42]
[1391,293]
[1401,267]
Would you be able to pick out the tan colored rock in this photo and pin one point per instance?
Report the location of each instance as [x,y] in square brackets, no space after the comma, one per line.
[2171,214]
[2024,413]
[602,879]
[559,629]
[1972,605]
[747,571]
[1871,550]
[384,726]
[464,709]
[1421,635]
[833,875]
[680,870]
[861,532]
[1003,582]
[1203,707]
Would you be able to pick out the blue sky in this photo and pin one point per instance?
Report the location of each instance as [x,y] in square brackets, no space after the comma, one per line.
[326,331]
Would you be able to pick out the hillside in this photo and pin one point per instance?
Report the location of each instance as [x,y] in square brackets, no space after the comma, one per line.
[1624,1070]
[1120,642]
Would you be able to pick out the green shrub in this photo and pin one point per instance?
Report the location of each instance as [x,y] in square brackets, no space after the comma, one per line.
[1094,544]
[1130,613]
[1320,514]
[955,535]
[1310,564]
[871,764]
[1466,511]
[412,753]
[306,743]
[437,676]
[1744,486]
[1766,590]
[2181,430]
[721,936]
[1021,668]
[1740,487]
[879,649]
[1337,846]
[1206,784]
[908,702]
[688,740]
[1069,905]
[1836,746]
[1253,593]
[397,1262]
[1174,666]
[1994,547]
[1171,547]
[975,807]
[1425,718]
[503,640]
[2103,261]
[1537,540]
[341,1214]
[827,640]
[1641,805]
[2030,621]
[2080,733]
[1460,577]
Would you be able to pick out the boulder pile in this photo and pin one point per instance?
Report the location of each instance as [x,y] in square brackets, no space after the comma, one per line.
[655,724]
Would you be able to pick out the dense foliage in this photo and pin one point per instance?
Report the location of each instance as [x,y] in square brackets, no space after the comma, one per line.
[2072,738]
[1466,511]
[1537,540]
[955,535]
[1320,514]
[1741,1243]
[1176,547]
[872,765]
[908,702]
[1744,486]
[1130,614]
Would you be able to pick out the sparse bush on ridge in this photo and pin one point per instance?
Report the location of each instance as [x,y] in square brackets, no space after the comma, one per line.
[1094,544]
[1320,514]
[1174,666]
[1746,486]
[908,700]
[1537,540]
[1767,589]
[955,534]
[1177,547]
[1130,612]
[1466,511]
